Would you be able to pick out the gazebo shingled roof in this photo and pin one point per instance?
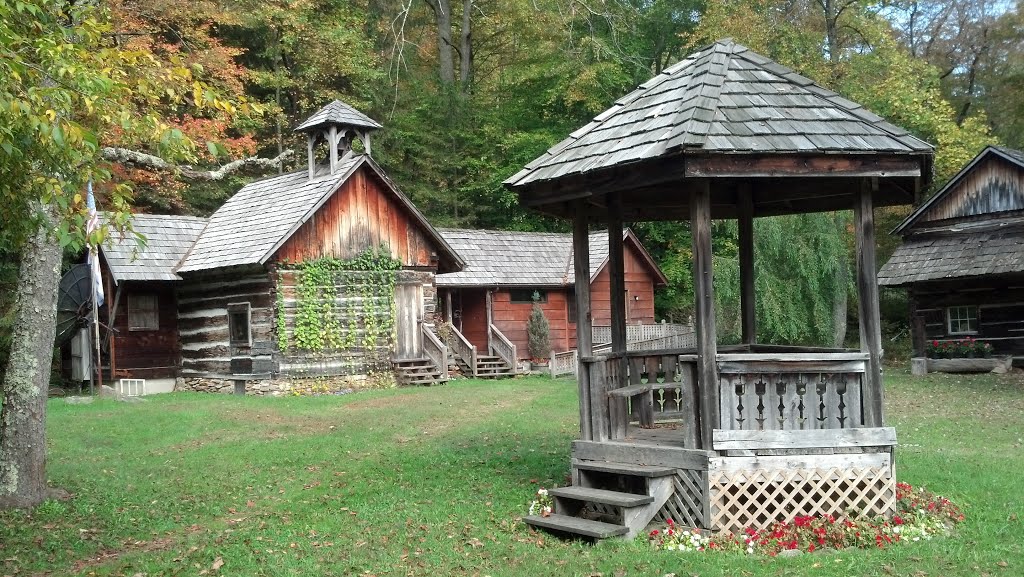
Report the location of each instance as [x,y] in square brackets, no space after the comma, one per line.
[728,113]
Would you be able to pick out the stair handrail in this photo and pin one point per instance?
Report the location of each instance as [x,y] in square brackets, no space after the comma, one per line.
[462,347]
[502,347]
[435,350]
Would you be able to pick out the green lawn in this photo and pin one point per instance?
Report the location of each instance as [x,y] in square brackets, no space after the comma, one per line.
[433,481]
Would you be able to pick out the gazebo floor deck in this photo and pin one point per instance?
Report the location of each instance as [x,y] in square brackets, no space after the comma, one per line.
[667,435]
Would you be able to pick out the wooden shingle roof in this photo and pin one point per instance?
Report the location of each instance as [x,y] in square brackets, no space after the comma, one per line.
[724,98]
[525,259]
[250,227]
[990,249]
[261,216]
[167,239]
[337,112]
[971,227]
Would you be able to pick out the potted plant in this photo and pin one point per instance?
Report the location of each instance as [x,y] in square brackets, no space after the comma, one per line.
[538,334]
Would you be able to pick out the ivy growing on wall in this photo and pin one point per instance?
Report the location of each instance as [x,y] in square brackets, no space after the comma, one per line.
[340,304]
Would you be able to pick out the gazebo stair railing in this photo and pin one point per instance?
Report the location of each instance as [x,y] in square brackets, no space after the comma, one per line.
[607,499]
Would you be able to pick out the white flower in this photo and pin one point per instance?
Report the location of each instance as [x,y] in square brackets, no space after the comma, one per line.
[542,492]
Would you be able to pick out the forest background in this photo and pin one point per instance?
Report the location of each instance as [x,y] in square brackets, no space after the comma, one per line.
[468,92]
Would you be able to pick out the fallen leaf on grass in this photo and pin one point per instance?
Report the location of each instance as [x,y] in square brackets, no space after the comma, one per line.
[217,564]
[1003,564]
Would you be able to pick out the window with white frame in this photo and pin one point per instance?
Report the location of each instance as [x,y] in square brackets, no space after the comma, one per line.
[962,320]
[143,312]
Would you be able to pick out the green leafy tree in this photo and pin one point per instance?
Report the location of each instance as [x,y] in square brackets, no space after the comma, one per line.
[68,91]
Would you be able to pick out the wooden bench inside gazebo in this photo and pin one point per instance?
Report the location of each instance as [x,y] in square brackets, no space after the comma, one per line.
[725,438]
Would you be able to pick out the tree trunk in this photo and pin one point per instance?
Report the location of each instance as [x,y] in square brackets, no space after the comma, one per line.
[443,17]
[466,47]
[26,382]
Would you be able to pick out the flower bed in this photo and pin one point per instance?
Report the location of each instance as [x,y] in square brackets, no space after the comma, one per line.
[961,356]
[920,515]
[968,348]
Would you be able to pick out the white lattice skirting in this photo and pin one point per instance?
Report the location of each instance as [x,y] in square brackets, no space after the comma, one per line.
[757,498]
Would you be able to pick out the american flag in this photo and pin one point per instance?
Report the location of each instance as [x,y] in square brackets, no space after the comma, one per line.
[94,260]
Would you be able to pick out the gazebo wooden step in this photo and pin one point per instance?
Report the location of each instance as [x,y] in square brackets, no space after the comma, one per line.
[577,526]
[613,498]
[624,468]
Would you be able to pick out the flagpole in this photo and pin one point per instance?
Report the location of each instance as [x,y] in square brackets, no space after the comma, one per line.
[97,288]
[95,331]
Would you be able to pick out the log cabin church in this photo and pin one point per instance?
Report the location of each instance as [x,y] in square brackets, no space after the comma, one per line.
[962,257]
[219,301]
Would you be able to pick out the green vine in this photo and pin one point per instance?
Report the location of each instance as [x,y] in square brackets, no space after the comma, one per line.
[342,304]
[282,318]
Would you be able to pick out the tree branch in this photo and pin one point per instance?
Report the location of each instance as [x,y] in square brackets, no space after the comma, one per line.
[155,163]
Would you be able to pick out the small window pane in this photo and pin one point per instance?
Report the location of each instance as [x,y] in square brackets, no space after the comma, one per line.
[571,303]
[522,296]
[143,313]
[238,324]
[963,320]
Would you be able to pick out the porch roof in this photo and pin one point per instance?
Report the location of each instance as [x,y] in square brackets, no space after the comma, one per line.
[993,248]
[528,259]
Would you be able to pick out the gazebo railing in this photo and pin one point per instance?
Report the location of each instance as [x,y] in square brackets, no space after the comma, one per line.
[787,391]
[754,391]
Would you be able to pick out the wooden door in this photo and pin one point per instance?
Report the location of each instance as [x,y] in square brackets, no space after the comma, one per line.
[409,314]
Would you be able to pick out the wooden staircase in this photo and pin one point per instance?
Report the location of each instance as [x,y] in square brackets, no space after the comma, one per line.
[421,371]
[493,367]
[610,500]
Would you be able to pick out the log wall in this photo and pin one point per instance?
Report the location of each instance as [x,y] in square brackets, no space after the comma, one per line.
[353,303]
[361,214]
[203,322]
[1000,303]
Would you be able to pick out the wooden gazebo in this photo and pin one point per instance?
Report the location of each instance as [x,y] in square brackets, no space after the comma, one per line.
[725,438]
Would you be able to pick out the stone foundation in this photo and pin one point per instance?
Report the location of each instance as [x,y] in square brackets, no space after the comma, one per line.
[289,386]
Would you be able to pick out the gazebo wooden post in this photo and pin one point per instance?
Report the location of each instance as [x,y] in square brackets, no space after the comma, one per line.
[617,407]
[616,270]
[748,317]
[704,311]
[867,292]
[584,320]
